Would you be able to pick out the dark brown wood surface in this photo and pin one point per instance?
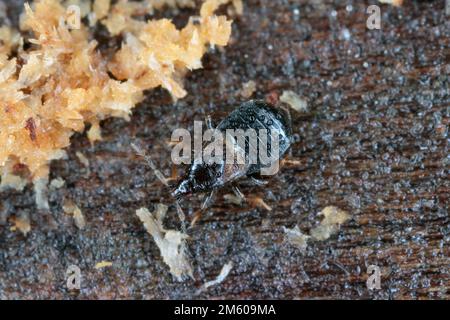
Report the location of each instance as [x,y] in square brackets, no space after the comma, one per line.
[374,142]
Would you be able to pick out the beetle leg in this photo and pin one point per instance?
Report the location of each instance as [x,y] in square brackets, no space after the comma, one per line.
[239,194]
[151,164]
[258,182]
[181,216]
[207,201]
[209,122]
[205,205]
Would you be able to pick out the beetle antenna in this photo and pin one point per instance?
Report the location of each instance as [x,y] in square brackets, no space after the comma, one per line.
[181,215]
[151,164]
[163,180]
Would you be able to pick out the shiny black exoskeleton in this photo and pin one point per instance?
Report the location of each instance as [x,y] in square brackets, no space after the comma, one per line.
[253,114]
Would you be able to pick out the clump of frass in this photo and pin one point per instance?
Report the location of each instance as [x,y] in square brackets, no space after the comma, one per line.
[63,82]
[171,243]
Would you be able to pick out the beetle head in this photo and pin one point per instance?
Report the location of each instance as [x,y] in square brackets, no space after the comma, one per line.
[201,178]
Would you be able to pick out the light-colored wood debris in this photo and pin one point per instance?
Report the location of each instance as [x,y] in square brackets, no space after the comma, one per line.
[396,3]
[103,264]
[171,243]
[9,179]
[296,237]
[70,208]
[84,161]
[22,223]
[333,218]
[259,202]
[41,194]
[239,6]
[232,198]
[294,101]
[248,89]
[57,183]
[219,279]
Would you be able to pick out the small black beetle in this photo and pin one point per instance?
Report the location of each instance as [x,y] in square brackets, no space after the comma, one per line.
[255,115]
